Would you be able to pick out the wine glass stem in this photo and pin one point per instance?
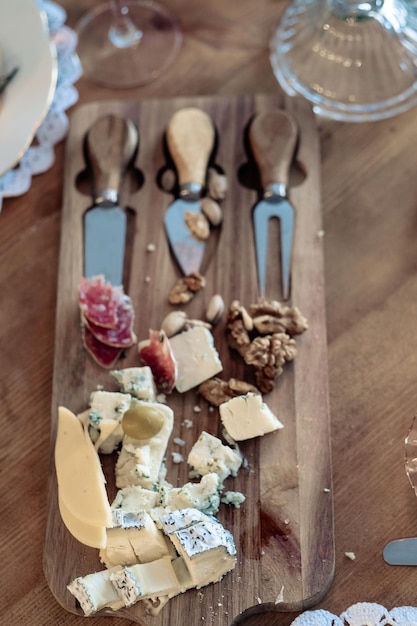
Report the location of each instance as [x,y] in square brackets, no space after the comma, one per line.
[123,33]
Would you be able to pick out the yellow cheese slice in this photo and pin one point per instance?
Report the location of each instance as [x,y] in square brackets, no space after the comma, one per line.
[81,482]
[92,536]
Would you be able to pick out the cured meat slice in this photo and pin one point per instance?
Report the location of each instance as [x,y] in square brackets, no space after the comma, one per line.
[121,335]
[103,354]
[99,301]
[157,354]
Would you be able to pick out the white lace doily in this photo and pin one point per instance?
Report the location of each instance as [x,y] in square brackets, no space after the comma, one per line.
[40,156]
[360,614]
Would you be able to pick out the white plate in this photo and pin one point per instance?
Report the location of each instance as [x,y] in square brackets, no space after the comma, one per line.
[25,44]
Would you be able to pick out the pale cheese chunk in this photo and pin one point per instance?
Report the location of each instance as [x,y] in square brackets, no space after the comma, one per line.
[197,358]
[96,591]
[92,536]
[140,462]
[209,455]
[81,482]
[248,416]
[146,580]
[137,381]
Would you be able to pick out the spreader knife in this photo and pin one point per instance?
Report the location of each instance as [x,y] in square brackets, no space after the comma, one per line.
[190,139]
[111,144]
[273,138]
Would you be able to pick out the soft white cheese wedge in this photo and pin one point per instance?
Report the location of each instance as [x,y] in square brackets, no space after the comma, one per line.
[96,591]
[134,538]
[92,536]
[139,462]
[81,482]
[146,580]
[207,548]
[197,358]
[137,381]
[209,455]
[104,417]
[248,416]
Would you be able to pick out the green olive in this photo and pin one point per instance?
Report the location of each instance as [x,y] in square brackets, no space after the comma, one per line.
[142,422]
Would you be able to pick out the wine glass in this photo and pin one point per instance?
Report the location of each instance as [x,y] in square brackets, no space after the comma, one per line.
[127,43]
[354,61]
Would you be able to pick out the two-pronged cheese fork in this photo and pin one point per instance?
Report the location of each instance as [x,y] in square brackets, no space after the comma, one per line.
[273,137]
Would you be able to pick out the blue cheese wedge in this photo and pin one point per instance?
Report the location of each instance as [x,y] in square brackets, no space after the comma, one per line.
[207,548]
[146,581]
[248,416]
[137,381]
[210,455]
[105,416]
[134,538]
[96,591]
[203,496]
[140,462]
[197,358]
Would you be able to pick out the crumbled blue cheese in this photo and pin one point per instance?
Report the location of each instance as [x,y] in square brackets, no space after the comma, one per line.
[197,358]
[140,462]
[137,381]
[203,496]
[96,591]
[248,416]
[233,497]
[104,418]
[209,455]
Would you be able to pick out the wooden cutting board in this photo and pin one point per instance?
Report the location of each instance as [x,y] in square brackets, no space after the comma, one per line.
[284,530]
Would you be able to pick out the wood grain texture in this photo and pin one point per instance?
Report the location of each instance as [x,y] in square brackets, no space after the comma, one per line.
[284,531]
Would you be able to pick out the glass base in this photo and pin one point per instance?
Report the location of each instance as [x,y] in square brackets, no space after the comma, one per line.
[131,56]
[351,66]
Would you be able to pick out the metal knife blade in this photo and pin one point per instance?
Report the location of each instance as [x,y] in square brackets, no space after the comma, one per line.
[111,144]
[190,139]
[273,137]
[401,551]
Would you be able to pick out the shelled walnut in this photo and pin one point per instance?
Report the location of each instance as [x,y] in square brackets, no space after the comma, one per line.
[217,391]
[263,336]
[186,287]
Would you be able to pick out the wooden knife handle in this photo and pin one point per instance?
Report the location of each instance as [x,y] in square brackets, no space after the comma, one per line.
[112,142]
[273,138]
[190,138]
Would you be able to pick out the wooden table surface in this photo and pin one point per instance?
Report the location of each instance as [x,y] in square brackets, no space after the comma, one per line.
[369,204]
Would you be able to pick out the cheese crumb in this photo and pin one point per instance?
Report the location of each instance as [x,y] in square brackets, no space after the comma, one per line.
[350,555]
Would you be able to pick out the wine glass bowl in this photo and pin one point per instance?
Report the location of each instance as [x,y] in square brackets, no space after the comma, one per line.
[127,43]
[354,61]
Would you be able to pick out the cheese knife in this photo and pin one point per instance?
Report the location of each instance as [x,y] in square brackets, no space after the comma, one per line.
[111,145]
[273,137]
[401,551]
[190,139]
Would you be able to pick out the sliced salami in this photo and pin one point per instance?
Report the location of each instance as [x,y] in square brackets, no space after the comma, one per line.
[99,301]
[157,354]
[121,335]
[104,355]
